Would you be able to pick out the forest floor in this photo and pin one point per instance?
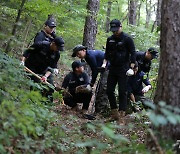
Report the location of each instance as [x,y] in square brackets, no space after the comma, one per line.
[76,127]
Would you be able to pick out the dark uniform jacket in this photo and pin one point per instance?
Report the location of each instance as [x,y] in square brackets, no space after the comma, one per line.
[95,59]
[39,57]
[135,83]
[143,64]
[42,36]
[72,80]
[120,51]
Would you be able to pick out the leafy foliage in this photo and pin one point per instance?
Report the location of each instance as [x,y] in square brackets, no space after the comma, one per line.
[23,112]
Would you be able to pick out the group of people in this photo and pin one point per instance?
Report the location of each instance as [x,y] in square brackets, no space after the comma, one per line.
[120,65]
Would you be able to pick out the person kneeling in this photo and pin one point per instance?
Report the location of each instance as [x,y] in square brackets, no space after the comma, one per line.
[78,84]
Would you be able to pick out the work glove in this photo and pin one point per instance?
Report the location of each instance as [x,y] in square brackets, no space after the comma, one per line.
[56,71]
[130,72]
[22,63]
[146,89]
[44,79]
[83,89]
[88,87]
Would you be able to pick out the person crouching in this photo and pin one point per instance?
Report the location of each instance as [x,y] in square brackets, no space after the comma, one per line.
[78,84]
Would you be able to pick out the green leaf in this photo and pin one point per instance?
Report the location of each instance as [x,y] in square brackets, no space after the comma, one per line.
[152,117]
[92,127]
[39,130]
[162,103]
[109,132]
[150,104]
[2,149]
[161,119]
[172,120]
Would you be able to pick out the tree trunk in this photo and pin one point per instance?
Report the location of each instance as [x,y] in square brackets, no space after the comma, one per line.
[26,32]
[108,15]
[15,25]
[132,12]
[168,86]
[158,14]
[90,27]
[139,13]
[148,12]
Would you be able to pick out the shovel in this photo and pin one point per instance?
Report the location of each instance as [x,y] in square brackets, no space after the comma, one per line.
[37,76]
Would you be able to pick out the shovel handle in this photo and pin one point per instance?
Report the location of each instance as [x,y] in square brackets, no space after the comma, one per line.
[37,76]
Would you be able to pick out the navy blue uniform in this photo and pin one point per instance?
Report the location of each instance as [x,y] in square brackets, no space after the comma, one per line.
[143,64]
[120,51]
[42,36]
[95,59]
[71,81]
[39,57]
[135,83]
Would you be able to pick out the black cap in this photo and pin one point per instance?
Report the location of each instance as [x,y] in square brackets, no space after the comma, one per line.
[153,52]
[77,64]
[50,23]
[59,43]
[114,25]
[77,48]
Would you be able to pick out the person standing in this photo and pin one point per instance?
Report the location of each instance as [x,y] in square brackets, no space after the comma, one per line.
[120,51]
[48,33]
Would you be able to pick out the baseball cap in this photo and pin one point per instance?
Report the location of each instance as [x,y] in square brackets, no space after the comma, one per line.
[114,25]
[77,64]
[153,52]
[59,43]
[77,48]
[50,23]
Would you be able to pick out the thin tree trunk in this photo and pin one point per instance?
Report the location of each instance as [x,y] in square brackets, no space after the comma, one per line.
[108,15]
[15,25]
[148,12]
[90,27]
[132,12]
[153,26]
[158,14]
[168,85]
[139,13]
[26,33]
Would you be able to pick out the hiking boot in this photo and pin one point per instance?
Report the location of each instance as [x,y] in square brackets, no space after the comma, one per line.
[75,108]
[84,111]
[115,115]
[122,113]
[122,116]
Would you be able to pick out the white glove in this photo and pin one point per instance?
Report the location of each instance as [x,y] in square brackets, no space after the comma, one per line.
[146,89]
[103,65]
[22,63]
[89,87]
[130,72]
[56,71]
